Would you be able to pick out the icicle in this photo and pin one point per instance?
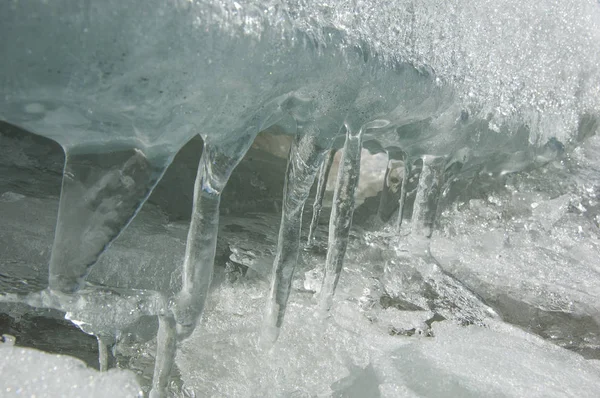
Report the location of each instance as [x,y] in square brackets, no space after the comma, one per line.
[305,159]
[216,164]
[391,191]
[385,192]
[403,188]
[321,188]
[428,193]
[165,355]
[341,215]
[101,193]
[102,354]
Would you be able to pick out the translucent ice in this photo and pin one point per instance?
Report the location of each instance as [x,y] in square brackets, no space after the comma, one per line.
[306,158]
[341,215]
[321,188]
[218,161]
[465,94]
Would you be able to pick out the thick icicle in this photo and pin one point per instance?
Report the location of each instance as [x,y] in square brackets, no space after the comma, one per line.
[166,342]
[341,216]
[428,194]
[101,193]
[305,159]
[320,194]
[216,164]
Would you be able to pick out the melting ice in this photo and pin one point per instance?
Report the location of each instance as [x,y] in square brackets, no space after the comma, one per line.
[186,235]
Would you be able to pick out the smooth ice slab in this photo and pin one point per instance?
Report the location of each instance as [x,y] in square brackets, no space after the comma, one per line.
[499,360]
[530,249]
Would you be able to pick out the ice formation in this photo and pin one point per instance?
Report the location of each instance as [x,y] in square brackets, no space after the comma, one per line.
[451,91]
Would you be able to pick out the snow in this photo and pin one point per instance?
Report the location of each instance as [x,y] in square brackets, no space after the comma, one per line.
[33,373]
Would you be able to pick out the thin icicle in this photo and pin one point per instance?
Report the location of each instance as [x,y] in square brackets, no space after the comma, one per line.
[305,159]
[391,190]
[403,188]
[166,346]
[214,169]
[101,193]
[341,216]
[102,354]
[385,191]
[426,200]
[320,194]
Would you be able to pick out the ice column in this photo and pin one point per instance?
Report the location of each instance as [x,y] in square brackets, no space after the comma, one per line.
[101,193]
[428,194]
[305,159]
[217,162]
[341,215]
[319,195]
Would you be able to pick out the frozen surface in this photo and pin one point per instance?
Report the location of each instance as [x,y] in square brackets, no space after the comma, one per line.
[469,269]
[497,361]
[357,353]
[32,373]
[531,248]
[134,74]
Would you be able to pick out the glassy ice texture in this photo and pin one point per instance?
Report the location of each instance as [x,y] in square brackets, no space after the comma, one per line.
[166,341]
[100,195]
[341,216]
[305,160]
[102,354]
[461,96]
[427,197]
[320,193]
[216,165]
[403,193]
[392,189]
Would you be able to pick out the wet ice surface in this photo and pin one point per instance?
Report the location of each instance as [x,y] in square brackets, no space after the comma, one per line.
[527,248]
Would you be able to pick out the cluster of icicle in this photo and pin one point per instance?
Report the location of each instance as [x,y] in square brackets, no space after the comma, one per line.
[338,98]
[100,195]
